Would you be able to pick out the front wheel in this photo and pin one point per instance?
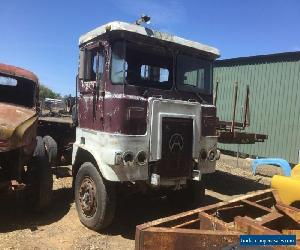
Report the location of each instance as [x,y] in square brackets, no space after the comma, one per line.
[95,198]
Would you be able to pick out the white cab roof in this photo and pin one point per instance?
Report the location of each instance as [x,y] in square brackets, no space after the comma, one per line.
[122,26]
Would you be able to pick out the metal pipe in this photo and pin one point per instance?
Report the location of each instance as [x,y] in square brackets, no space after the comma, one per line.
[246,119]
[216,94]
[234,106]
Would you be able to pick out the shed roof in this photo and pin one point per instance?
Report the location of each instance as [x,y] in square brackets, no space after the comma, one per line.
[133,28]
[289,56]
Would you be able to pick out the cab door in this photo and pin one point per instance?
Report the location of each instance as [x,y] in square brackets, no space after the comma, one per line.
[91,85]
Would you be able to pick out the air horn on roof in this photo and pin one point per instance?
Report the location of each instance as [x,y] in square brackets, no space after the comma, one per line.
[143,19]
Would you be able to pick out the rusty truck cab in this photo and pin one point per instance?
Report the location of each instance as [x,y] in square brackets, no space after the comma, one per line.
[24,161]
[18,119]
[144,105]
[18,122]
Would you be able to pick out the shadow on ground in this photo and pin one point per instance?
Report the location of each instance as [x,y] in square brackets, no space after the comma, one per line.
[228,184]
[131,212]
[14,215]
[139,209]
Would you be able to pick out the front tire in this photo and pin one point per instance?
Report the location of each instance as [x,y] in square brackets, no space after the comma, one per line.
[95,198]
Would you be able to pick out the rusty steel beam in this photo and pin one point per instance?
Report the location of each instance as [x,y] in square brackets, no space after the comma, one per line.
[209,227]
[208,222]
[188,224]
[240,137]
[226,130]
[225,125]
[180,218]
[269,217]
[254,204]
[168,238]
[249,226]
[291,212]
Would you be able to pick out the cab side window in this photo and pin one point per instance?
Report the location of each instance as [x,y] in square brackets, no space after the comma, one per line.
[95,64]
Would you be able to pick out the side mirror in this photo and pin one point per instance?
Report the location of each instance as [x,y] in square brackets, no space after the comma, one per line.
[81,64]
[85,65]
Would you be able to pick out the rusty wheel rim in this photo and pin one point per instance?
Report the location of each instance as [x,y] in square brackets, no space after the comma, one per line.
[87,197]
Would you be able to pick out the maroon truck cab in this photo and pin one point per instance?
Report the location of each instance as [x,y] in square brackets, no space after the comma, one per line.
[144,109]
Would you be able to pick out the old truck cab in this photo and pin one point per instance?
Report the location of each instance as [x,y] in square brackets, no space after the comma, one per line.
[24,163]
[18,110]
[145,117]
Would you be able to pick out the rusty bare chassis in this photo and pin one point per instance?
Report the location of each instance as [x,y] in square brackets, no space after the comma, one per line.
[62,130]
[219,225]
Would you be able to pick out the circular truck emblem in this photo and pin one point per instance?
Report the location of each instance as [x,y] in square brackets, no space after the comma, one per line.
[176,142]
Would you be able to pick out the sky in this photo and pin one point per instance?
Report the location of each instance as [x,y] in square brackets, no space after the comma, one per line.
[42,36]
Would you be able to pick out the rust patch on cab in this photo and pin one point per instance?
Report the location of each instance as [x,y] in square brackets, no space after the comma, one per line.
[17,126]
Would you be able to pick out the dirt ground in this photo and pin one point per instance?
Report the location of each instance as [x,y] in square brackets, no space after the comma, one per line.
[60,228]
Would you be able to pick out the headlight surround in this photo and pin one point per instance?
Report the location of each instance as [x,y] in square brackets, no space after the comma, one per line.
[127,157]
[141,158]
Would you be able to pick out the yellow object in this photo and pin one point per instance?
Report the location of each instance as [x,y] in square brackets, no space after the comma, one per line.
[288,187]
[296,171]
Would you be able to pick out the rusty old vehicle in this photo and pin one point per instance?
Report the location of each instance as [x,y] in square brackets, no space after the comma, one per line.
[24,163]
[145,118]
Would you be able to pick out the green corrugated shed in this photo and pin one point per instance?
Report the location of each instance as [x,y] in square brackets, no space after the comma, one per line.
[274,82]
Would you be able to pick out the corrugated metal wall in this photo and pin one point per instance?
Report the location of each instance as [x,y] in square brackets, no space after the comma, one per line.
[274,82]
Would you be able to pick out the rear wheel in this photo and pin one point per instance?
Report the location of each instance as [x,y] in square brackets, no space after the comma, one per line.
[51,149]
[95,197]
[39,179]
[189,197]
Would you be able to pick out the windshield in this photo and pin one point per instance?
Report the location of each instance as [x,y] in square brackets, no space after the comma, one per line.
[194,74]
[152,66]
[143,66]
[17,91]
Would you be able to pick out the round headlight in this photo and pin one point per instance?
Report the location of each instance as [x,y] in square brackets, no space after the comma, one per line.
[211,155]
[141,157]
[127,156]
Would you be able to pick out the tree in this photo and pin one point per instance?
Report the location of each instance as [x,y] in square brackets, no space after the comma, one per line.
[46,92]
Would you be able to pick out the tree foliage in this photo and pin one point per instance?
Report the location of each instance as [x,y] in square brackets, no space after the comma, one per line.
[46,92]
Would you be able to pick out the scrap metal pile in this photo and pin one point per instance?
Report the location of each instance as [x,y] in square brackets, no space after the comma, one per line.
[220,225]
